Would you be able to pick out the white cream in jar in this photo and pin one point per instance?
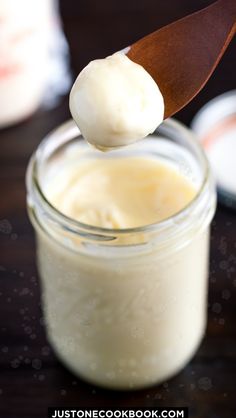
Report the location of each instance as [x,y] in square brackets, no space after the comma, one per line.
[119,194]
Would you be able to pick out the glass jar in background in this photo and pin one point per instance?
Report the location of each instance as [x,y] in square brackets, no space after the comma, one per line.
[34,58]
[215,126]
[124,309]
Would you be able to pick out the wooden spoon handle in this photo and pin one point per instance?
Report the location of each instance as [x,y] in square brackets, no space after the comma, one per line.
[196,42]
[221,16]
[228,7]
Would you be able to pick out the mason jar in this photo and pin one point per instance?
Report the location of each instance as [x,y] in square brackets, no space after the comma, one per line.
[124,308]
[34,67]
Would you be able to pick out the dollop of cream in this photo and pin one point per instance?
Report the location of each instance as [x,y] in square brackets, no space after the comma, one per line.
[115,102]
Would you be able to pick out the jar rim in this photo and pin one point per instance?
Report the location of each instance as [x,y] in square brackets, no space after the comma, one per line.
[76,226]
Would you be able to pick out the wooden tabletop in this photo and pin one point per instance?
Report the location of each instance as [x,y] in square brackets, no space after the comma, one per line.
[31,378]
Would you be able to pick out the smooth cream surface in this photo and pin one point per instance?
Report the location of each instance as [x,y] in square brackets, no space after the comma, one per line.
[115,102]
[119,193]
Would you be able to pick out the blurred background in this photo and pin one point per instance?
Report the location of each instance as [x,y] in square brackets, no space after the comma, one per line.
[31,378]
[32,40]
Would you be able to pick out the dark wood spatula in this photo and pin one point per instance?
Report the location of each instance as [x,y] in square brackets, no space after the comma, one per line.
[182,56]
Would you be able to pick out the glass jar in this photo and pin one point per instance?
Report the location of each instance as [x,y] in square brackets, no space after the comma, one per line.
[215,126]
[34,58]
[125,308]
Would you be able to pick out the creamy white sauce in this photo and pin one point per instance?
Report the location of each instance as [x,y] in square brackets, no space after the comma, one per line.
[115,102]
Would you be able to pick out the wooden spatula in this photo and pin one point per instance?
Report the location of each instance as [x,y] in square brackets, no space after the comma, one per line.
[182,56]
